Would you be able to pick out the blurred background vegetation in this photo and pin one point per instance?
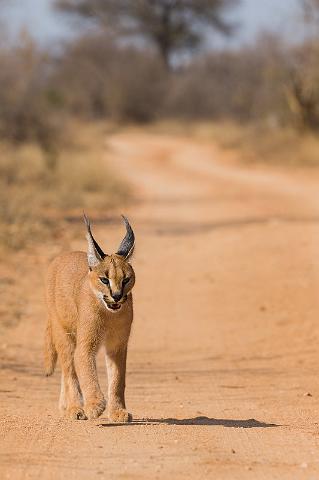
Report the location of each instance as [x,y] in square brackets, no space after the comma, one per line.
[142,62]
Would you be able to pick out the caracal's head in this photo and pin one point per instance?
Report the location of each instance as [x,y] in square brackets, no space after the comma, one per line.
[111,276]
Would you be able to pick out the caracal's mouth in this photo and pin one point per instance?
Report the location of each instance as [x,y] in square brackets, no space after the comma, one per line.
[113,306]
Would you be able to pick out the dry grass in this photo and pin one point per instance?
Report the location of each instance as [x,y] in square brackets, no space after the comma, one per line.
[36,191]
[263,144]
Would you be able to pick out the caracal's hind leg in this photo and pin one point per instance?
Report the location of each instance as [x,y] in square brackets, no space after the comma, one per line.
[71,402]
[62,399]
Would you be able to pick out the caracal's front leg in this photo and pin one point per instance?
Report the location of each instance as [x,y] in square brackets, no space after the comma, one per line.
[116,370]
[85,364]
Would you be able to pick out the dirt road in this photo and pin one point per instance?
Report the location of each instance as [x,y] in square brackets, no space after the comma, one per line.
[223,361]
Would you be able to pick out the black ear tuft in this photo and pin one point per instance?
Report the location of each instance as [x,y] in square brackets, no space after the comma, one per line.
[127,245]
[95,252]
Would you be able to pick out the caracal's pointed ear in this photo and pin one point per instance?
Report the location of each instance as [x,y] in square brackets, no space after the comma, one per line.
[127,245]
[95,252]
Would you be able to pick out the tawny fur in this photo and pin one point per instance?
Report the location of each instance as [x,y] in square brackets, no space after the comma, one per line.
[80,323]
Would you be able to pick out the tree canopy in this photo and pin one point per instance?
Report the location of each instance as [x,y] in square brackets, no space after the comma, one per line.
[171,25]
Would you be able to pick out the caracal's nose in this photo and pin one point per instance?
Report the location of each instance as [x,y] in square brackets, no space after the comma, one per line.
[117,297]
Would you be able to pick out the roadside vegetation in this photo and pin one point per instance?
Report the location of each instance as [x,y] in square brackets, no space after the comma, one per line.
[38,193]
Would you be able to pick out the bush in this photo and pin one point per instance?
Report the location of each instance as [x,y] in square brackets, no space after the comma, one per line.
[27,110]
[97,78]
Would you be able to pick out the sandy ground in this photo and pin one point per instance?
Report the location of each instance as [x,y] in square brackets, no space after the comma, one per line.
[222,369]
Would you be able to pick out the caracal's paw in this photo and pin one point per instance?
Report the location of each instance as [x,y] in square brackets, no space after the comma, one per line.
[75,413]
[95,409]
[119,415]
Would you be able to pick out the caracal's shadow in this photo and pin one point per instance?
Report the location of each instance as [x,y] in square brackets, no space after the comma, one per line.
[197,421]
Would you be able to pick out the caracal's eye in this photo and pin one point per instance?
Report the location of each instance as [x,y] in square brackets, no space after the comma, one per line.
[126,280]
[105,280]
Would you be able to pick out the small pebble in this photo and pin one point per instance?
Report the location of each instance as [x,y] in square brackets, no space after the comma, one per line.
[308,394]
